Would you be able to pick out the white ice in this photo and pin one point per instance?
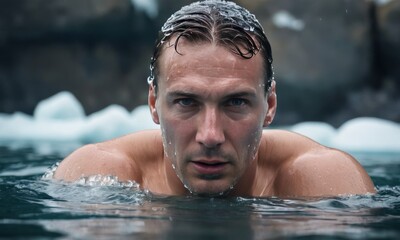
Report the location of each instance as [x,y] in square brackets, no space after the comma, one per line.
[318,131]
[61,118]
[284,19]
[368,134]
[150,7]
[382,2]
[62,106]
[363,134]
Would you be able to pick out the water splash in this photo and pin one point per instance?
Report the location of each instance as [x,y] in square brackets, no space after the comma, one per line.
[107,180]
[49,174]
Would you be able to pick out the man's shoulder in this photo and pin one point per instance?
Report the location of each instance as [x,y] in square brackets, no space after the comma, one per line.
[307,168]
[123,157]
[280,146]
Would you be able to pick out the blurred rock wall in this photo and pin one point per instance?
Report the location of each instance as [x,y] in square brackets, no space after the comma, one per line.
[333,60]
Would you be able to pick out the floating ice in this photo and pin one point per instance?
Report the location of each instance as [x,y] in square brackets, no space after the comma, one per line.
[318,131]
[364,134]
[19,126]
[52,122]
[110,122]
[382,2]
[62,106]
[284,19]
[142,118]
[368,134]
[150,7]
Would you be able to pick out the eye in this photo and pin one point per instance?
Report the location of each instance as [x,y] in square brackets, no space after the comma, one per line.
[237,102]
[185,102]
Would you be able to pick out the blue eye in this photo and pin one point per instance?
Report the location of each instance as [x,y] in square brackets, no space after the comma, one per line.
[237,102]
[185,102]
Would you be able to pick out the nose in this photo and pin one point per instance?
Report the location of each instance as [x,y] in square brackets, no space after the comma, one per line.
[210,132]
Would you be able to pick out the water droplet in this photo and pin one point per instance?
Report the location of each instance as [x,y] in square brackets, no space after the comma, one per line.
[186,186]
[249,28]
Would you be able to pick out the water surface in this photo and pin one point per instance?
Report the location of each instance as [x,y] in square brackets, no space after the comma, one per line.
[34,207]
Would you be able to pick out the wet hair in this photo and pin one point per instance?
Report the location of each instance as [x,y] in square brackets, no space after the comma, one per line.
[215,21]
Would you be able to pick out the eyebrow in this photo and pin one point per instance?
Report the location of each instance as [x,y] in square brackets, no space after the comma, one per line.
[241,94]
[179,93]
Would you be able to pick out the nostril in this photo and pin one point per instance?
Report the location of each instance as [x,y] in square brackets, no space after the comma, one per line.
[210,130]
[210,140]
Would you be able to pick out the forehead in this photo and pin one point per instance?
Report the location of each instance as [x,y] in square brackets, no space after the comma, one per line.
[207,60]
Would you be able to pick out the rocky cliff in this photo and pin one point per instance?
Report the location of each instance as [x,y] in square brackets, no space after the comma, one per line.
[333,60]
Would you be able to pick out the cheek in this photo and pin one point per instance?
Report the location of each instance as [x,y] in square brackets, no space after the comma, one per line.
[167,135]
[175,136]
[250,138]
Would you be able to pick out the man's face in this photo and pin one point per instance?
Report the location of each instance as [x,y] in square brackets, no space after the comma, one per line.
[212,107]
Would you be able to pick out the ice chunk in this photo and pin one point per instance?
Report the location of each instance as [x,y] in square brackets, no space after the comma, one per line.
[13,126]
[19,126]
[368,134]
[284,19]
[318,131]
[150,7]
[111,122]
[62,106]
[382,2]
[141,117]
[61,119]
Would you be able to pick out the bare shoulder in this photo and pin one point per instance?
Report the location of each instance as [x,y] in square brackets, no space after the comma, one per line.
[310,169]
[121,157]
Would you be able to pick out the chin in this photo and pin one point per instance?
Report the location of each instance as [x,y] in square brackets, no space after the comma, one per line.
[212,194]
[211,189]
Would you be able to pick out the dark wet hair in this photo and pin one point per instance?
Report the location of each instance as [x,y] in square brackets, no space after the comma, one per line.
[215,21]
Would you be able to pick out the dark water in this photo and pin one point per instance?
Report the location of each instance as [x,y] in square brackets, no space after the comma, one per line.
[33,207]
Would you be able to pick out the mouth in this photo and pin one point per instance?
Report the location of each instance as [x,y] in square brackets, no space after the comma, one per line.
[210,167]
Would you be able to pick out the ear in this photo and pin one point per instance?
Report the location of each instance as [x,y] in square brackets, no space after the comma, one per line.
[152,100]
[272,104]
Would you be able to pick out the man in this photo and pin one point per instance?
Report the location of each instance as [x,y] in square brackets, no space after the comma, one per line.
[212,92]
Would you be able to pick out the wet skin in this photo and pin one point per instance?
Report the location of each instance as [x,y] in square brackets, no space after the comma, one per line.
[212,109]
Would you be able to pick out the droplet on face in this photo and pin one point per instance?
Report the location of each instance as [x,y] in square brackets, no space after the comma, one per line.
[186,186]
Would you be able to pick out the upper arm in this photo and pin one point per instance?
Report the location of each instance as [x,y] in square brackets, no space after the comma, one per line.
[322,172]
[92,160]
